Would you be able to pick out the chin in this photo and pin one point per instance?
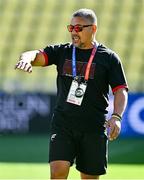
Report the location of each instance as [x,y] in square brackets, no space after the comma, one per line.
[76,43]
[79,45]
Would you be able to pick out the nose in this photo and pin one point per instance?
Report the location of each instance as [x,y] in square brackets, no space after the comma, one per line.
[74,32]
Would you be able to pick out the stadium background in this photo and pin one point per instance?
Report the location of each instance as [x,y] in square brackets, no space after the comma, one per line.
[26,101]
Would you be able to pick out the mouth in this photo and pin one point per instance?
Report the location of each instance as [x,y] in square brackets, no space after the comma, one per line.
[75,39]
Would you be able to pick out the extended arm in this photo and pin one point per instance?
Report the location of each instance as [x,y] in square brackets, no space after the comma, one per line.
[29,59]
[114,123]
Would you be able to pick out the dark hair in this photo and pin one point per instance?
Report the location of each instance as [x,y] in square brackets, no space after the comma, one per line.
[87,14]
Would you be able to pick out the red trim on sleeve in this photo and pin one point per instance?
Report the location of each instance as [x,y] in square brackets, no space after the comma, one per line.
[45,57]
[119,87]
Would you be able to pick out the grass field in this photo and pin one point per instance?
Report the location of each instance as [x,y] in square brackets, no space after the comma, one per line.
[41,171]
[25,157]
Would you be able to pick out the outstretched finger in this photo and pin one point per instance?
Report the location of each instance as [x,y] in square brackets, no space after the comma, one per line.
[16,66]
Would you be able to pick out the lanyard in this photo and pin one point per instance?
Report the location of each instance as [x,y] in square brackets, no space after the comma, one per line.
[88,64]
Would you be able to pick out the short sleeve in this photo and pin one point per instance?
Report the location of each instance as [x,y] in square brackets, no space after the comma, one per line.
[51,54]
[117,77]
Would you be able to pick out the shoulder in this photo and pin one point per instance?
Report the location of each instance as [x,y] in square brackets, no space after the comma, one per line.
[108,53]
[63,46]
[57,47]
[104,50]
[66,45]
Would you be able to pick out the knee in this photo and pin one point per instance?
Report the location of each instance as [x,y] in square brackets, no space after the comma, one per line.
[58,173]
[59,170]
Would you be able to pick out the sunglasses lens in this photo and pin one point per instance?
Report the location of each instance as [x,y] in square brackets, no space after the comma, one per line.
[70,28]
[77,28]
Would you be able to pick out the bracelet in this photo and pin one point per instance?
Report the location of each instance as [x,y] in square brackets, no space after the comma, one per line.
[115,115]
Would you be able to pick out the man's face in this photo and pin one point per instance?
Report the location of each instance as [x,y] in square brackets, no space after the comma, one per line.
[82,39]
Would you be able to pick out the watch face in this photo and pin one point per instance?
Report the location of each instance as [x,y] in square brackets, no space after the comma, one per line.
[79,92]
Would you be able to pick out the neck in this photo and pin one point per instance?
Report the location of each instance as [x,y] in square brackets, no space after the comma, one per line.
[89,45]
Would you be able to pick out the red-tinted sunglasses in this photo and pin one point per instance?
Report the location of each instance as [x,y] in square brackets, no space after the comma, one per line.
[77,28]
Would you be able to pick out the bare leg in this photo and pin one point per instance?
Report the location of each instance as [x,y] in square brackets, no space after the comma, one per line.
[86,176]
[59,169]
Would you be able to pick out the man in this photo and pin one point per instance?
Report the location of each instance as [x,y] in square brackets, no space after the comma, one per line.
[85,70]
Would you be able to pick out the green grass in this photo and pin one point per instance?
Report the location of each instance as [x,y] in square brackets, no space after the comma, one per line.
[24,171]
[26,157]
[41,171]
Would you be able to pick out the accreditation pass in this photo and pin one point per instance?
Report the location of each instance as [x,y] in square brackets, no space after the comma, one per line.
[76,93]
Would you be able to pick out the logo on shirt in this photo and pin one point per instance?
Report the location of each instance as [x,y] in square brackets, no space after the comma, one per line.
[53,137]
[81,68]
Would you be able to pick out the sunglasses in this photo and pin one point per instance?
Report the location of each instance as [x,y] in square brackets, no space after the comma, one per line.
[77,28]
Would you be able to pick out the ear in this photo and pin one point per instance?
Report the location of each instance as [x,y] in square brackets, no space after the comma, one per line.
[94,28]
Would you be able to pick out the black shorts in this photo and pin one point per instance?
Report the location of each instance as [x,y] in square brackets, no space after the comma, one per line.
[87,150]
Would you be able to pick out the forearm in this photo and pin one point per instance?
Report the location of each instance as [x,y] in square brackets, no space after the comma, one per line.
[120,101]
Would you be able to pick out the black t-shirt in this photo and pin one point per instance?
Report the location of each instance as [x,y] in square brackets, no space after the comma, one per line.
[106,70]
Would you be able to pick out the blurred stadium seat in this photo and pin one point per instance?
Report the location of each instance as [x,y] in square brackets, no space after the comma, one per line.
[33,24]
